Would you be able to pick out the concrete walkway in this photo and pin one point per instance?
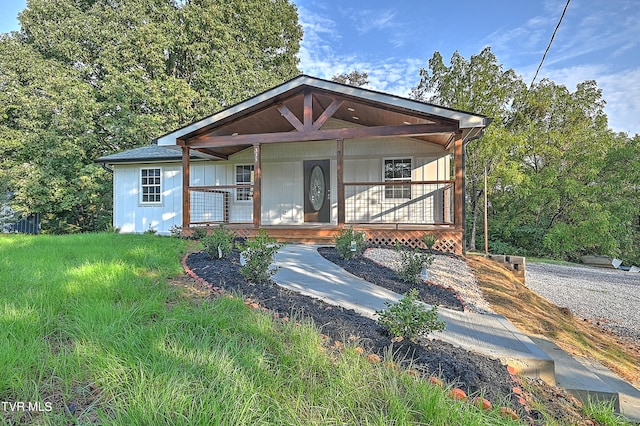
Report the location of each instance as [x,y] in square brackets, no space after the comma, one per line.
[303,269]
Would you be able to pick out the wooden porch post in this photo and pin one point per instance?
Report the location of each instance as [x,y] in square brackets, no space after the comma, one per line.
[458,195]
[340,173]
[257,185]
[186,193]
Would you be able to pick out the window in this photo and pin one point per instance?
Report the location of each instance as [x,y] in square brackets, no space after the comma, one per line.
[244,175]
[151,185]
[397,170]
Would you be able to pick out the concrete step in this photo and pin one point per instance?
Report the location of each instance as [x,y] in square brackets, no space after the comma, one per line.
[628,395]
[586,379]
[493,335]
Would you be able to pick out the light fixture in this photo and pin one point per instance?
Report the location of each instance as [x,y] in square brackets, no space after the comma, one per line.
[351,109]
[424,274]
[407,123]
[355,118]
[234,134]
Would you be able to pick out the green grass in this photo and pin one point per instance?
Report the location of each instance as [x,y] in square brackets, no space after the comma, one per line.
[89,324]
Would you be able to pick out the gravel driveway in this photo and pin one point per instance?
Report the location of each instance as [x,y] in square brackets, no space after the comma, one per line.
[608,296]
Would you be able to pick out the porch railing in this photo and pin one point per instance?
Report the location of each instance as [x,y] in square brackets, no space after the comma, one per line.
[221,204]
[407,202]
[423,203]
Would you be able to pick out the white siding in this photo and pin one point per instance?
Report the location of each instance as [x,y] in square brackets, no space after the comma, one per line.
[282,193]
[282,183]
[130,215]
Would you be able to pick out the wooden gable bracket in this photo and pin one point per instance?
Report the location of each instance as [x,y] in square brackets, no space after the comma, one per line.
[213,153]
[308,123]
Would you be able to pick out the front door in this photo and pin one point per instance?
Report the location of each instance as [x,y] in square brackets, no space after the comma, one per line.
[317,205]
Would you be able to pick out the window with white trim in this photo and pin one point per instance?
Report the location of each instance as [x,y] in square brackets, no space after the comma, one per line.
[244,175]
[397,170]
[151,185]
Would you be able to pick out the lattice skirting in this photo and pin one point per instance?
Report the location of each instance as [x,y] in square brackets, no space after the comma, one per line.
[446,241]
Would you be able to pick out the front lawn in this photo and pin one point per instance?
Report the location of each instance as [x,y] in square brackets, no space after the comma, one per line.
[91,332]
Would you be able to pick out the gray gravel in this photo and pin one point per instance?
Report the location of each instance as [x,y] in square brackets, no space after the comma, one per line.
[446,271]
[607,297]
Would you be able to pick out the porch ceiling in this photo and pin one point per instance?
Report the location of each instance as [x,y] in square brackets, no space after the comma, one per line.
[298,112]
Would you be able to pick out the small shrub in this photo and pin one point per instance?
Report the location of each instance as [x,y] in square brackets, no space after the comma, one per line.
[409,318]
[429,241]
[150,231]
[412,263]
[347,240]
[199,233]
[259,254]
[176,231]
[219,244]
[112,229]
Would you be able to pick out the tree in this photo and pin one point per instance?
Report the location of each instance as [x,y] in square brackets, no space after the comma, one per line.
[478,85]
[87,78]
[559,204]
[353,78]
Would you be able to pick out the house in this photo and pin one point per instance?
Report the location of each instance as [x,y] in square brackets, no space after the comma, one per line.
[303,160]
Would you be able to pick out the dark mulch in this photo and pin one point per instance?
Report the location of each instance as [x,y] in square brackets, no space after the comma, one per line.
[471,372]
[375,273]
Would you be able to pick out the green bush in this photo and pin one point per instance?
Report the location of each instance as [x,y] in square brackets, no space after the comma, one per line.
[150,231]
[409,318]
[412,263]
[258,254]
[199,233]
[347,240]
[429,240]
[176,231]
[219,244]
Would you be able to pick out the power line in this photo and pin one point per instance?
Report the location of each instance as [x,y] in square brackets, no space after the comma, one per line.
[550,41]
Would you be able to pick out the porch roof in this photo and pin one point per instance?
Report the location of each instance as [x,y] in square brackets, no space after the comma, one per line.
[297,109]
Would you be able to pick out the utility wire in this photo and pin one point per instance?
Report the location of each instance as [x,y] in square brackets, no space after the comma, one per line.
[550,41]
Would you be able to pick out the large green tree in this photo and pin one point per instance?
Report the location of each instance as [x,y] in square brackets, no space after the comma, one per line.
[85,78]
[480,85]
[574,192]
[561,183]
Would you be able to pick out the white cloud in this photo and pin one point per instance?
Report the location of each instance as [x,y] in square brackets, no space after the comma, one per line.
[621,91]
[318,59]
[366,20]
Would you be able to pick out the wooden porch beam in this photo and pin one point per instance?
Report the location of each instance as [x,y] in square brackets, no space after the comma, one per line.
[308,110]
[375,132]
[291,117]
[257,185]
[327,114]
[340,181]
[458,194]
[213,153]
[186,197]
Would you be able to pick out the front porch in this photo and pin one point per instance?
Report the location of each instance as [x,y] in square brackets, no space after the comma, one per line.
[428,209]
[311,157]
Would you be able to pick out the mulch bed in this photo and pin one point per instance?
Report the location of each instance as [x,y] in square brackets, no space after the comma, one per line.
[475,374]
[375,273]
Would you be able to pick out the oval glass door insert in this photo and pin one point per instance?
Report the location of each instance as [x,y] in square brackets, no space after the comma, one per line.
[317,190]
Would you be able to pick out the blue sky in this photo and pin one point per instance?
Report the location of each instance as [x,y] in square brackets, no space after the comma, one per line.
[598,40]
